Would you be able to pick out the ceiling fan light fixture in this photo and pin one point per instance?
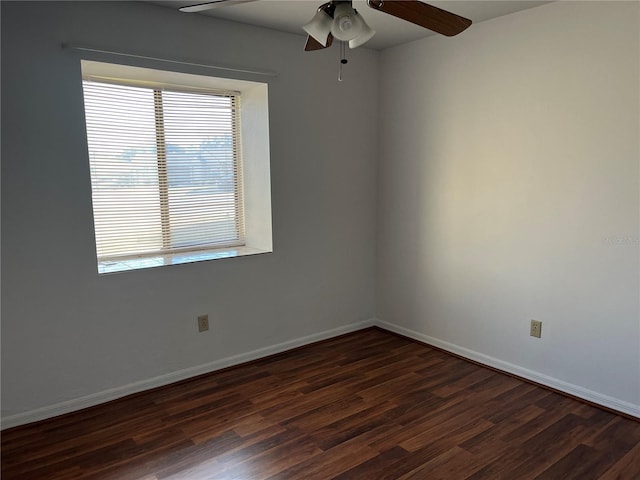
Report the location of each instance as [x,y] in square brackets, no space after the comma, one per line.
[347,24]
[366,34]
[319,27]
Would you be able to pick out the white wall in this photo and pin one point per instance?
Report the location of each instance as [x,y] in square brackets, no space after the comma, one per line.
[509,158]
[69,335]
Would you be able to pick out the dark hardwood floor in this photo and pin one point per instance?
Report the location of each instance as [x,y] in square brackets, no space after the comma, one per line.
[369,405]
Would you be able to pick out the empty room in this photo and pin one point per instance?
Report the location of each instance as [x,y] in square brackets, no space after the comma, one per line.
[271,239]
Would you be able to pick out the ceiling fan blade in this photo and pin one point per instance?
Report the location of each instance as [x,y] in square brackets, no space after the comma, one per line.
[209,5]
[312,44]
[424,15]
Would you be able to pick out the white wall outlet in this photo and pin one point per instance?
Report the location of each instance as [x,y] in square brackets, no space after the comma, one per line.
[203,323]
[536,328]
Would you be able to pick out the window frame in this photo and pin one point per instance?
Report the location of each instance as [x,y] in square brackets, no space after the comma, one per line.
[252,194]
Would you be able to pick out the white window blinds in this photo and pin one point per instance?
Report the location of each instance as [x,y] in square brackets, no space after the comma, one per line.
[165,169]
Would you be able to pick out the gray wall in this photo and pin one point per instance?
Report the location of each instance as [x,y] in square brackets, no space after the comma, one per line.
[508,190]
[69,335]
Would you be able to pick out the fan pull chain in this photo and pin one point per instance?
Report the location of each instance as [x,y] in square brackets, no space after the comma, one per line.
[343,59]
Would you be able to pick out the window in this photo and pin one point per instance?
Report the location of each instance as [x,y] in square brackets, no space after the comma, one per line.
[167,167]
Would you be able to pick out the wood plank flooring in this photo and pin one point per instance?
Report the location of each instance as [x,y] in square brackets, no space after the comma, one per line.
[369,405]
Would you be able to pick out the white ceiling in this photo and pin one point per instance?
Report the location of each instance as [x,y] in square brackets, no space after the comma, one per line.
[290,15]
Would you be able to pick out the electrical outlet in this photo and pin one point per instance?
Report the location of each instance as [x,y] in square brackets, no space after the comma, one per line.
[536,328]
[203,323]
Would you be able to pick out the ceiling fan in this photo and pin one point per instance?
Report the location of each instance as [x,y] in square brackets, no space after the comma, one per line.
[338,19]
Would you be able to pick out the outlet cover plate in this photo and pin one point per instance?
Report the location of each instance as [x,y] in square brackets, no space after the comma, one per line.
[536,329]
[203,323]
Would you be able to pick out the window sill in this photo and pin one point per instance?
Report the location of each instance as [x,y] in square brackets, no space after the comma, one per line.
[114,266]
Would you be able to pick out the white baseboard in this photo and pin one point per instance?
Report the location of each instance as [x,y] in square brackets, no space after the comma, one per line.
[118,392]
[571,389]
